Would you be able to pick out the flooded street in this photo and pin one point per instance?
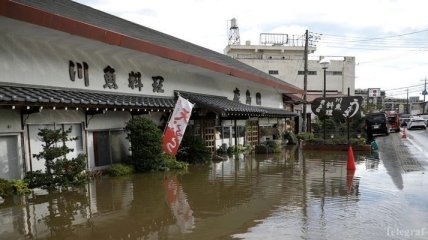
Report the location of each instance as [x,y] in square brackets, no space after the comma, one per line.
[294,195]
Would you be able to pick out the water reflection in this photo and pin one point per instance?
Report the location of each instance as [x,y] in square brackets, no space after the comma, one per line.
[393,167]
[178,203]
[290,195]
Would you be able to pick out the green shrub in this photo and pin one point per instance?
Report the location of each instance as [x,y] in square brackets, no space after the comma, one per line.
[305,136]
[36,179]
[248,148]
[20,187]
[357,141]
[70,172]
[260,149]
[291,138]
[269,146]
[230,150]
[273,146]
[6,188]
[314,141]
[172,163]
[146,144]
[120,170]
[192,150]
[222,149]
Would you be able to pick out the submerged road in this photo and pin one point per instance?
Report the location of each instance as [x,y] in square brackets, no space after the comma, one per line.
[406,152]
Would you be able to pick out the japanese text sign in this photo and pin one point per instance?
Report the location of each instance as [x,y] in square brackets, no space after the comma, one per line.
[346,107]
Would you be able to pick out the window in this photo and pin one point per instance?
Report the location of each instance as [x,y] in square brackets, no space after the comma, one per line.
[309,72]
[10,161]
[273,72]
[109,147]
[248,97]
[258,99]
[249,56]
[334,73]
[36,144]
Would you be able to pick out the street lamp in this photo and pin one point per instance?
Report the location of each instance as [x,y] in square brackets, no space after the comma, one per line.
[324,65]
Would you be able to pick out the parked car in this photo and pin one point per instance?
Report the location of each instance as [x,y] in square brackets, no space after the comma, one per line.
[425,117]
[416,122]
[377,123]
[404,122]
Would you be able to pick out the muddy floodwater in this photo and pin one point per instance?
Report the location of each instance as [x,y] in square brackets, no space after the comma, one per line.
[294,195]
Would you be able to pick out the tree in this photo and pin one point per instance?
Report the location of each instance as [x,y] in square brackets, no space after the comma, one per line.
[60,171]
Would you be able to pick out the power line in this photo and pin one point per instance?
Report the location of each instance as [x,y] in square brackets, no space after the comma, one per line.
[404,41]
[400,88]
[378,38]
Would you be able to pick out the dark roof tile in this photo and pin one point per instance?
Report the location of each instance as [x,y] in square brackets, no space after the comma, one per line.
[222,105]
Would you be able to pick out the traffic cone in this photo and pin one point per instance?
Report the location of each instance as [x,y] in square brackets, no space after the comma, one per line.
[350,179]
[351,163]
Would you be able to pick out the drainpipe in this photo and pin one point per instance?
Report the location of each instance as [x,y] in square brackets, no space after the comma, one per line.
[236,136]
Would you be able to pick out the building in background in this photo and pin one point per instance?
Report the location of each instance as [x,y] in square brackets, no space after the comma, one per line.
[287,63]
[283,56]
[373,98]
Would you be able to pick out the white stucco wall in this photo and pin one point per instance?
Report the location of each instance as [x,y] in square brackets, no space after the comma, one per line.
[288,62]
[39,56]
[10,121]
[37,61]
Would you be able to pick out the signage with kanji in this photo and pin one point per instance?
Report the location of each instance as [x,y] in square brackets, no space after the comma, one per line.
[374,92]
[346,107]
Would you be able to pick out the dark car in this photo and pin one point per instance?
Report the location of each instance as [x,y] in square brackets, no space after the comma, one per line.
[377,123]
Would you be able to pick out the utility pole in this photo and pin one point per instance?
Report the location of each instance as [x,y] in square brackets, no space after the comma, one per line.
[424,93]
[408,107]
[305,82]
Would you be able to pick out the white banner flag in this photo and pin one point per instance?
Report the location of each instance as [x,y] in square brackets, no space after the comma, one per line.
[176,126]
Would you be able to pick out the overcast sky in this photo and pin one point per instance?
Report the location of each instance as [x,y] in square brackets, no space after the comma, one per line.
[388,38]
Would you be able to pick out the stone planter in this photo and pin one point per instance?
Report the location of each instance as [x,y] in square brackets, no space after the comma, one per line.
[336,147]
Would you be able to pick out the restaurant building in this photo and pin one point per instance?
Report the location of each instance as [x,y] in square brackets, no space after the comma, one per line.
[65,65]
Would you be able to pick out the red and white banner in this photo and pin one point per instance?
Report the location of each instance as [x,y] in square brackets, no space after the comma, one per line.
[177,125]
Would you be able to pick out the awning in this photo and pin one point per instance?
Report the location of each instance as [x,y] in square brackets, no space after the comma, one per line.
[225,107]
[25,95]
[292,99]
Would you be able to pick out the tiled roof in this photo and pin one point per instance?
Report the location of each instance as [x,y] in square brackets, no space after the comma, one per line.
[222,105]
[32,95]
[93,17]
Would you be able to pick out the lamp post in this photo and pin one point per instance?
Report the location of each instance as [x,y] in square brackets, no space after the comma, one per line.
[324,65]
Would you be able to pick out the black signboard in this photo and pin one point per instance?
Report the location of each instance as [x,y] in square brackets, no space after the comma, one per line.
[345,107]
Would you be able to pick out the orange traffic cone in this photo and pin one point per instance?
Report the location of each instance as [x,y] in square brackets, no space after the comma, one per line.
[351,163]
[350,179]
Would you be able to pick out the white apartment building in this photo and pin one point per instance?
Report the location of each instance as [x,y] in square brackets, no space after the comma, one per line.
[286,62]
[283,56]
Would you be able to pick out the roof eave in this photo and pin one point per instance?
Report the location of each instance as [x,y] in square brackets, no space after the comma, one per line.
[21,12]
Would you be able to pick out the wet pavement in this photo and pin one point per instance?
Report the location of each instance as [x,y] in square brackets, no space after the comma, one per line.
[294,195]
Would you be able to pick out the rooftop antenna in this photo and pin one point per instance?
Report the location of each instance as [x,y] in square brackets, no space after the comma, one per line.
[233,32]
